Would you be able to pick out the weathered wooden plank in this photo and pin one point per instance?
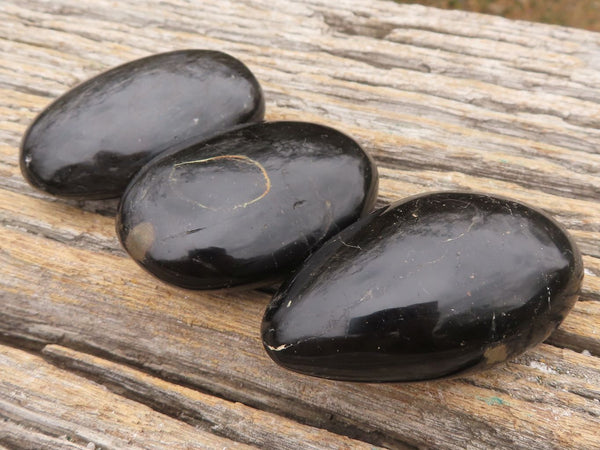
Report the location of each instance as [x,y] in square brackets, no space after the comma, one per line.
[75,413]
[238,421]
[582,331]
[442,100]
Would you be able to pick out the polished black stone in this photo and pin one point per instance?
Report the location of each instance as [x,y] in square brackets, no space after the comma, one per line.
[90,142]
[432,286]
[245,207]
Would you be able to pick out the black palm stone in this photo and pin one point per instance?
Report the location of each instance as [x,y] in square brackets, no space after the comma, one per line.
[90,142]
[245,207]
[433,286]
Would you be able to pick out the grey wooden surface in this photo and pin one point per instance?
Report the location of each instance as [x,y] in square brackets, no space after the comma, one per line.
[95,352]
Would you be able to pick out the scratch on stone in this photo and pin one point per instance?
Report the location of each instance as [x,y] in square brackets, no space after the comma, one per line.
[349,245]
[329,218]
[466,203]
[457,237]
[243,158]
[279,348]
[438,259]
[184,233]
[367,295]
[474,220]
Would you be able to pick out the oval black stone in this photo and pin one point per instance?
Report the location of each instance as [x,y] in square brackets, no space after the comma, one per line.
[432,286]
[90,142]
[245,207]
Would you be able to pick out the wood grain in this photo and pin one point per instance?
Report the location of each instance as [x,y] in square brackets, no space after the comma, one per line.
[77,413]
[201,410]
[442,100]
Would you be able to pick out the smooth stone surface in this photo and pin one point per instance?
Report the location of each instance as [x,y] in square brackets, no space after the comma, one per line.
[91,141]
[432,286]
[245,207]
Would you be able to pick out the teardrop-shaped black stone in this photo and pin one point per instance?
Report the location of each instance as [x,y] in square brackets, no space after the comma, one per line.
[90,142]
[245,207]
[432,286]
